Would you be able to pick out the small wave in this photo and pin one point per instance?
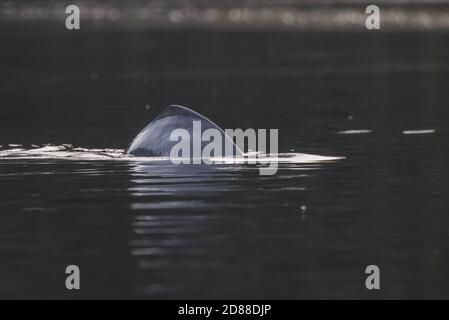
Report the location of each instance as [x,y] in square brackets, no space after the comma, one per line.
[363,131]
[69,152]
[64,151]
[280,158]
[408,132]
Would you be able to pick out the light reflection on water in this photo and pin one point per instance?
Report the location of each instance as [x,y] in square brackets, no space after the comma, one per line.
[190,218]
[174,230]
[183,226]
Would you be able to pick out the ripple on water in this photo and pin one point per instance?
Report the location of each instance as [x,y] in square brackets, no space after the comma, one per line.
[361,131]
[412,132]
[68,152]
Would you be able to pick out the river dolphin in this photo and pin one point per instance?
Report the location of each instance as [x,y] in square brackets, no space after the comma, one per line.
[154,140]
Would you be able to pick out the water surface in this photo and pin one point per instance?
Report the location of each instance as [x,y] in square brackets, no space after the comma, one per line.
[140,229]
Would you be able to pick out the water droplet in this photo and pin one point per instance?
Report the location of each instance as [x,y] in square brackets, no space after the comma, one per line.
[303,212]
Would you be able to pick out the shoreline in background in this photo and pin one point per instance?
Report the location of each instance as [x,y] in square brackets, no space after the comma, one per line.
[296,15]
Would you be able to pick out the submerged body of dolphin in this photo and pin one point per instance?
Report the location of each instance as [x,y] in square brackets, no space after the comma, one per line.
[154,140]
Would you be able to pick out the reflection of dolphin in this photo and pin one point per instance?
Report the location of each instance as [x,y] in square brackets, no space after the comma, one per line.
[154,140]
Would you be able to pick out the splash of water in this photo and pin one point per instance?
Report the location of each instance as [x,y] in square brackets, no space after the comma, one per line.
[69,152]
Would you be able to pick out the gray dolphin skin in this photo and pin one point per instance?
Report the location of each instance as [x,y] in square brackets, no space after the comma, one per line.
[154,140]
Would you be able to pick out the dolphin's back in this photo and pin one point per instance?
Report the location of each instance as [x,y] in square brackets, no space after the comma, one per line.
[154,140]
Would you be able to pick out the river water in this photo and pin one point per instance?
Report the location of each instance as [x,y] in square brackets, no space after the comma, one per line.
[150,229]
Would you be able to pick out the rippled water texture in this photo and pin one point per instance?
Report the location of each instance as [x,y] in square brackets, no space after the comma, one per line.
[144,228]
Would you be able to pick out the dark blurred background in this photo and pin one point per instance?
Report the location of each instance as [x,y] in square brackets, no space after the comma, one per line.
[303,14]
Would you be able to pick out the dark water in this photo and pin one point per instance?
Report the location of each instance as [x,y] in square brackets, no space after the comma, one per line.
[154,230]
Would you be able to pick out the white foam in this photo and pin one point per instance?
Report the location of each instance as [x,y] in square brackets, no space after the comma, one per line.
[280,158]
[429,131]
[361,131]
[67,152]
